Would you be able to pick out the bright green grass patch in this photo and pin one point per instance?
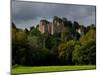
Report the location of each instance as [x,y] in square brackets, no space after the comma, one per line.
[22,69]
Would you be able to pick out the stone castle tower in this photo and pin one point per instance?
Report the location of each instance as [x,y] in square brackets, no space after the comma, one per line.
[45,26]
[51,27]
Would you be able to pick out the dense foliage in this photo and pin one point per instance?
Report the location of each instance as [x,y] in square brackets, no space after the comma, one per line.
[31,48]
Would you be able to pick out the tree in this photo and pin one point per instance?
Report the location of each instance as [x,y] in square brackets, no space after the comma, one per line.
[85,54]
[37,26]
[13,25]
[21,37]
[76,25]
[31,28]
[26,31]
[65,52]
[35,32]
[76,55]
[52,40]
[91,34]
[70,24]
[19,42]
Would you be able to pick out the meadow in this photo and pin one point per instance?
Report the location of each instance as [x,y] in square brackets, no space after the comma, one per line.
[41,69]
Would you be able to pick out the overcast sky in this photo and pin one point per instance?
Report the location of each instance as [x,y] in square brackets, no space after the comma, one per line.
[26,14]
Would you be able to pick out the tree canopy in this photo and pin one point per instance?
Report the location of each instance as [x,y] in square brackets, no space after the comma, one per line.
[31,47]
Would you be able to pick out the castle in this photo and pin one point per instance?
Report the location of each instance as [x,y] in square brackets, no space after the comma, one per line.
[56,26]
[51,27]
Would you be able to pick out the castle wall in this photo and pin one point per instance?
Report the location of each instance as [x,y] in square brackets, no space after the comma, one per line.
[51,28]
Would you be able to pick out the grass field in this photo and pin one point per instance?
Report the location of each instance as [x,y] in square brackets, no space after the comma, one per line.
[22,69]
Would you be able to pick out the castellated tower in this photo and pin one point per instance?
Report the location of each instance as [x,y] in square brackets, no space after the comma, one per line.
[51,27]
[58,25]
[45,26]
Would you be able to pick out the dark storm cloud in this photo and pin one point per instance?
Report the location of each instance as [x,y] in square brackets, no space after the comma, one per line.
[26,14]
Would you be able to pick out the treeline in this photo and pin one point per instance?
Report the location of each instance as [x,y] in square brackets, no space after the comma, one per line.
[70,47]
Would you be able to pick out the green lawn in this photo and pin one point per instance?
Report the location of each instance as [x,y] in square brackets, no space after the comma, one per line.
[22,69]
